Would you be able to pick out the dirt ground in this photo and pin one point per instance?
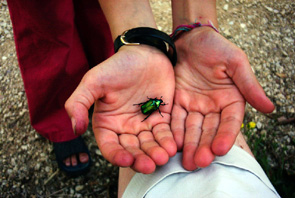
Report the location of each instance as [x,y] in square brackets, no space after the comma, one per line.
[264,29]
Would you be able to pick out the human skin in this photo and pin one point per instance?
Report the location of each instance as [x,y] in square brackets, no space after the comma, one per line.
[213,81]
[121,16]
[114,86]
[128,77]
[212,84]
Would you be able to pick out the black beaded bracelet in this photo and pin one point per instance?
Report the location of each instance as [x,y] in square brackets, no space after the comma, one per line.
[148,36]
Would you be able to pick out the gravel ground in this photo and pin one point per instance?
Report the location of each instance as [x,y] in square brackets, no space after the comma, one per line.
[264,29]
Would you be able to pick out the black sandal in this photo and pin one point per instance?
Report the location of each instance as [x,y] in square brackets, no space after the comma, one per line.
[64,150]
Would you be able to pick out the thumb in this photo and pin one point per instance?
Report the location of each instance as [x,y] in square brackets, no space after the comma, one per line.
[243,76]
[77,106]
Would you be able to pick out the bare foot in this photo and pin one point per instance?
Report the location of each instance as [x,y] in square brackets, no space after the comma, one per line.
[72,161]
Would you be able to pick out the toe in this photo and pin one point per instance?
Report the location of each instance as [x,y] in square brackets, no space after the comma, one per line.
[83,157]
[74,160]
[67,161]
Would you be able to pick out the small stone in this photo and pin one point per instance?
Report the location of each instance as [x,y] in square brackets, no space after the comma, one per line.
[47,169]
[9,171]
[288,39]
[226,32]
[13,162]
[243,25]
[79,188]
[288,140]
[225,7]
[22,112]
[37,166]
[97,151]
[281,96]
[24,147]
[271,9]
[4,58]
[284,53]
[264,20]
[258,125]
[72,192]
[281,75]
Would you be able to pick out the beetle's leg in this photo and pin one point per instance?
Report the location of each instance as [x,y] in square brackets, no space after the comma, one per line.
[139,104]
[146,117]
[160,113]
[164,104]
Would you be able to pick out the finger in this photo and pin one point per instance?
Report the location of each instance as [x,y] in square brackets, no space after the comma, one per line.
[152,148]
[143,163]
[178,125]
[80,101]
[193,132]
[229,127]
[109,145]
[164,137]
[240,71]
[204,155]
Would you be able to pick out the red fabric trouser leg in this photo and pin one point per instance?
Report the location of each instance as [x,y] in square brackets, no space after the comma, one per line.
[56,41]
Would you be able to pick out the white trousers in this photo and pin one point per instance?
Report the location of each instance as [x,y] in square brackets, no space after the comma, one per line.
[237,174]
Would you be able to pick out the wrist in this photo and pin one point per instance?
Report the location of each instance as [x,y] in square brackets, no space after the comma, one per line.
[179,30]
[148,36]
[189,11]
[125,15]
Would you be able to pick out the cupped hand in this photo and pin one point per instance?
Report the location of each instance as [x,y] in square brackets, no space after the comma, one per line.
[213,80]
[125,79]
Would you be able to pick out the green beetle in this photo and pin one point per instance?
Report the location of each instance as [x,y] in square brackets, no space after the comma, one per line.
[148,107]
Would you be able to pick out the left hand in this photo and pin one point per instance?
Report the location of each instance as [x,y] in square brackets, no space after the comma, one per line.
[114,86]
[213,81]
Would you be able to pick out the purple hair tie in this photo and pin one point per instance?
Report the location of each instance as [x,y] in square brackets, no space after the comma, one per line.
[185,28]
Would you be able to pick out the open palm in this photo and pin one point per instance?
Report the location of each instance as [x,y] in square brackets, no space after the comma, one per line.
[125,79]
[213,79]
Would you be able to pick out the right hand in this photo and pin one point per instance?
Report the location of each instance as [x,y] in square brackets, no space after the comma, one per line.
[213,81]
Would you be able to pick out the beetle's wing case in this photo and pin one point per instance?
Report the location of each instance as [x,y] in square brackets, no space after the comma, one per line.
[148,107]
